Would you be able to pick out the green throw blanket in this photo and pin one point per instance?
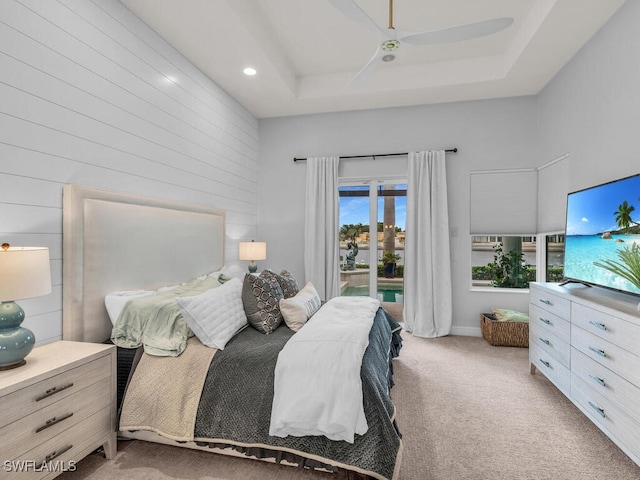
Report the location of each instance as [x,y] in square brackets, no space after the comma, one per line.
[156,321]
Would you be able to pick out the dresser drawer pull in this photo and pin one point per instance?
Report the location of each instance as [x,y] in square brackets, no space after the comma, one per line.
[53,391]
[545,341]
[602,353]
[52,421]
[545,363]
[598,409]
[53,455]
[544,320]
[601,326]
[546,302]
[597,379]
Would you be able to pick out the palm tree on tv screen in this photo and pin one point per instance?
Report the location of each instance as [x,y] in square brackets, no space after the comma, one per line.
[623,215]
[628,264]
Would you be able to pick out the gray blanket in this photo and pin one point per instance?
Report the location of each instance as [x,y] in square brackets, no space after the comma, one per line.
[235,406]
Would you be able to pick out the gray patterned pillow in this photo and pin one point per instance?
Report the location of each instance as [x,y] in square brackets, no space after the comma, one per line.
[260,297]
[285,282]
[272,277]
[288,284]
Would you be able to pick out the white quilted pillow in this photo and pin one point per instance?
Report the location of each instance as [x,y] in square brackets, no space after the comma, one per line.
[216,315]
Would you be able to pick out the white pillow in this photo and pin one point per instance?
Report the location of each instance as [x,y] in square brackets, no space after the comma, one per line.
[216,315]
[234,271]
[298,309]
[116,301]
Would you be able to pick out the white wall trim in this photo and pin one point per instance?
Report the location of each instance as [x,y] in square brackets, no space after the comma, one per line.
[554,161]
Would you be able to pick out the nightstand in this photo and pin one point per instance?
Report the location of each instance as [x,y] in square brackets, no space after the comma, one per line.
[57,409]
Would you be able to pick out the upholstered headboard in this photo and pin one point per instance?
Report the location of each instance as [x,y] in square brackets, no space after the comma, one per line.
[114,241]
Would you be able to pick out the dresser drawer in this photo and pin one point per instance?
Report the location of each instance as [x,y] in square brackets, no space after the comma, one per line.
[553,346]
[605,413]
[608,327]
[50,421]
[607,383]
[552,368]
[542,320]
[62,450]
[550,302]
[42,394]
[620,361]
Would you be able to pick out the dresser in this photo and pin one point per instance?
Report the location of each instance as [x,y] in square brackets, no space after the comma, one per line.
[586,341]
[56,409]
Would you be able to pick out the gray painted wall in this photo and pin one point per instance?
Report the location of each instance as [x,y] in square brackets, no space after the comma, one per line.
[588,116]
[90,95]
[492,134]
[591,110]
[86,98]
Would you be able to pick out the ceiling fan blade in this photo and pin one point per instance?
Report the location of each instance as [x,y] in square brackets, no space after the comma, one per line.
[370,67]
[353,12]
[459,33]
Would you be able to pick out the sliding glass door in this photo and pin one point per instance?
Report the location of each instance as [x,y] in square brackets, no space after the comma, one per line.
[372,233]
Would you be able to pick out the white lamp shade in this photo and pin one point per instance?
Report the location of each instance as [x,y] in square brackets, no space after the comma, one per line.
[24,273]
[253,251]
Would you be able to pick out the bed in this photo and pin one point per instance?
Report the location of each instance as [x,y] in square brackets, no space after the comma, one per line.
[115,241]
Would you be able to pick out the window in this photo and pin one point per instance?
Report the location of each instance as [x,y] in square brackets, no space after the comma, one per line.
[500,261]
[372,259]
[553,258]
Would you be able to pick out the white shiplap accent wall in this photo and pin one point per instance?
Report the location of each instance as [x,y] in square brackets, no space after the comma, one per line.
[90,95]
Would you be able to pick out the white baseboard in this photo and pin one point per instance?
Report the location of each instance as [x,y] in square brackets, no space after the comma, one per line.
[466,331]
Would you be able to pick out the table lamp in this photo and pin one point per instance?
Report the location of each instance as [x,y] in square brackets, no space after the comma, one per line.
[24,273]
[253,251]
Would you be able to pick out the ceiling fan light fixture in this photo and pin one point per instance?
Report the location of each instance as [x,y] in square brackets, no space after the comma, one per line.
[390,45]
[385,51]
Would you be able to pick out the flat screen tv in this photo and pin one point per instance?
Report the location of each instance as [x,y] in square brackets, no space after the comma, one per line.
[603,235]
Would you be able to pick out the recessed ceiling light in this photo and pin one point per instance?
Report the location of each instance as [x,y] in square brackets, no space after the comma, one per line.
[249,71]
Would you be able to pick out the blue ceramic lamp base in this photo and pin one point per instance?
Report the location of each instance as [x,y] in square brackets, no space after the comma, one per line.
[16,342]
[253,266]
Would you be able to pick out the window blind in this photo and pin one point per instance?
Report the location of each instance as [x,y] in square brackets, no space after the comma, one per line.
[503,202]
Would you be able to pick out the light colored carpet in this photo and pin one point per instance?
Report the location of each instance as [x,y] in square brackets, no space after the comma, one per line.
[467,410]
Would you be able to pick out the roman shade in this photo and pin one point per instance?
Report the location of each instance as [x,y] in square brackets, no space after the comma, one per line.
[503,202]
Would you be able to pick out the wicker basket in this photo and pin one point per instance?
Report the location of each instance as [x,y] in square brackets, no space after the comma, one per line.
[504,334]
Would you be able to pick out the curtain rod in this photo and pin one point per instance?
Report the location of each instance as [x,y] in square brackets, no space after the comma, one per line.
[451,150]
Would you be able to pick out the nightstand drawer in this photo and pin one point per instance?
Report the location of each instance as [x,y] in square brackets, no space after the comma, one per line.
[50,421]
[59,451]
[39,395]
[551,303]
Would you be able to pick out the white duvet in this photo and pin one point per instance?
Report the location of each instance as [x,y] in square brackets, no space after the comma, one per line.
[317,386]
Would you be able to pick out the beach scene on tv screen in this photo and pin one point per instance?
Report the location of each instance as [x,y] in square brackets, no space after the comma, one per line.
[603,235]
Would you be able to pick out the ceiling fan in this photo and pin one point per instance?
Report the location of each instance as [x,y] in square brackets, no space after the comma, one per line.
[390,39]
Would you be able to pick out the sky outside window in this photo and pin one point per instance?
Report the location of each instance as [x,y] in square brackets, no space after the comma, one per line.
[354,210]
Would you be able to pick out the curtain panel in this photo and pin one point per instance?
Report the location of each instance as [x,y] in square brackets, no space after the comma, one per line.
[321,241]
[428,309]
